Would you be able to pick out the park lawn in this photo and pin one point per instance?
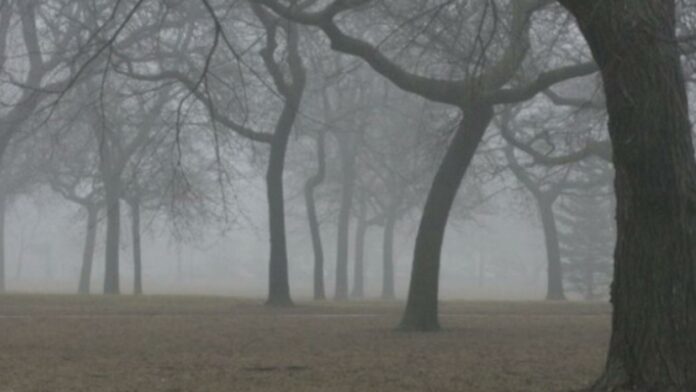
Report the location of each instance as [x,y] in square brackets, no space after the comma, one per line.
[152,344]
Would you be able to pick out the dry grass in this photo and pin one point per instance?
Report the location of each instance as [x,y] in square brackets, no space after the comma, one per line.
[153,344]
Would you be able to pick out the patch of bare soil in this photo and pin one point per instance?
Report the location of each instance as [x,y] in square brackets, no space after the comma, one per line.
[152,344]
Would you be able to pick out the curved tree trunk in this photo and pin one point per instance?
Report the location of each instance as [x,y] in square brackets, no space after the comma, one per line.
[554,288]
[310,187]
[137,251]
[88,252]
[278,279]
[653,344]
[359,267]
[388,255]
[422,305]
[292,91]
[113,235]
[347,150]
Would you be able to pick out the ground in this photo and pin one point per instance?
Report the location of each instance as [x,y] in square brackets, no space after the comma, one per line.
[151,344]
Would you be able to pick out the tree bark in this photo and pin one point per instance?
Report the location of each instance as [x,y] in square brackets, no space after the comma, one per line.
[88,252]
[388,255]
[292,90]
[347,150]
[359,267]
[554,288]
[278,282]
[652,346]
[137,250]
[310,203]
[422,304]
[113,235]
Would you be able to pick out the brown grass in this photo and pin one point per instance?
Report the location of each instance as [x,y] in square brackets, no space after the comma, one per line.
[152,344]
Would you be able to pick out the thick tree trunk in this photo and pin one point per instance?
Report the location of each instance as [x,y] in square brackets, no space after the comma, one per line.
[653,342]
[359,267]
[137,251]
[347,150]
[278,282]
[310,187]
[388,255]
[554,270]
[88,252]
[422,305]
[113,236]
[3,208]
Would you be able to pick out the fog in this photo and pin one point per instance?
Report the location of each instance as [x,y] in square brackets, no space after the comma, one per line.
[285,162]
[46,236]
[358,165]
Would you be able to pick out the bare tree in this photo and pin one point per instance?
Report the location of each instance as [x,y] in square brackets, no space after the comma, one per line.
[654,289]
[475,95]
[314,228]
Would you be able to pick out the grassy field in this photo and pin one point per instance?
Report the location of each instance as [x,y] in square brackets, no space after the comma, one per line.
[181,344]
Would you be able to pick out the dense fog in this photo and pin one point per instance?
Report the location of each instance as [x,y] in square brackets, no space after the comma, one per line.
[46,237]
[176,147]
[291,181]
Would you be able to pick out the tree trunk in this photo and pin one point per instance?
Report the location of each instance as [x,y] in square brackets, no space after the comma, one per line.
[347,150]
[137,251]
[388,255]
[88,252]
[292,91]
[3,208]
[422,304]
[653,344]
[554,271]
[359,267]
[278,282]
[113,236]
[310,187]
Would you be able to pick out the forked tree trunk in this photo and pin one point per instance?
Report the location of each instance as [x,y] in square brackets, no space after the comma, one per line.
[422,305]
[137,251]
[318,249]
[545,199]
[388,255]
[653,342]
[359,267]
[88,252]
[347,151]
[292,91]
[113,235]
[554,272]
